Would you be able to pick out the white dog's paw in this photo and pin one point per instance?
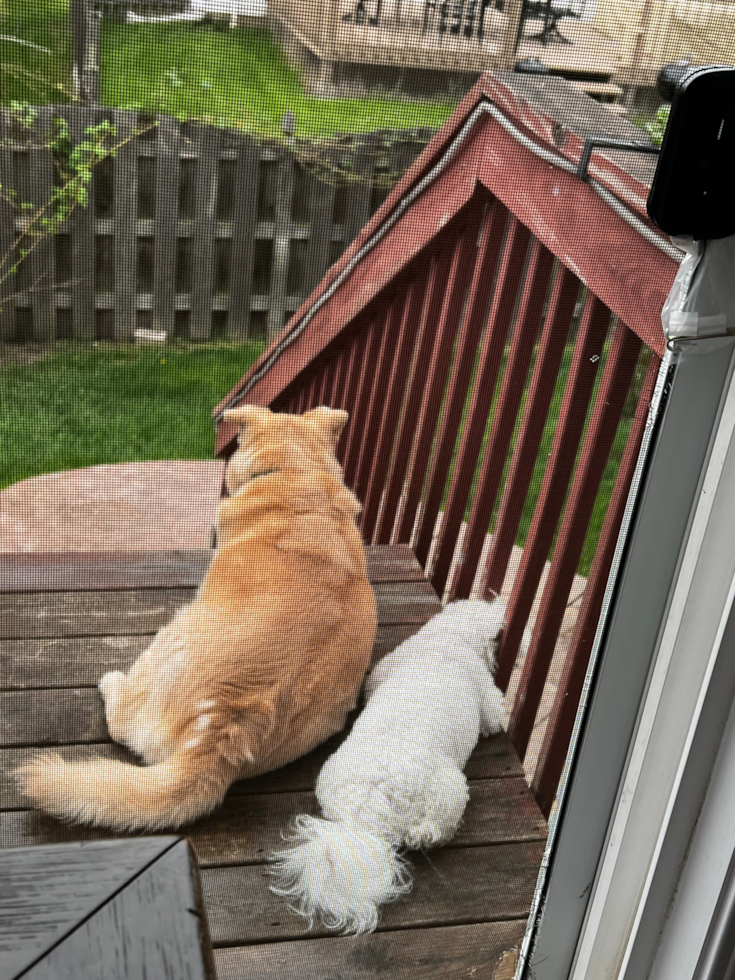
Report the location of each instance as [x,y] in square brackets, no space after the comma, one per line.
[493,712]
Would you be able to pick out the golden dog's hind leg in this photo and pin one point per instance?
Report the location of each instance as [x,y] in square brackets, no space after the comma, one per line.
[112,688]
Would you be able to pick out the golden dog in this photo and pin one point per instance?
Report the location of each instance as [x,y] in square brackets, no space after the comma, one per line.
[266,662]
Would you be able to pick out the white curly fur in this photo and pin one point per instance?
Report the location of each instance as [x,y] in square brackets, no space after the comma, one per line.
[397,780]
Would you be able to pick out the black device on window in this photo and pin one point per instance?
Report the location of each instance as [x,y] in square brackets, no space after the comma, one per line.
[693,191]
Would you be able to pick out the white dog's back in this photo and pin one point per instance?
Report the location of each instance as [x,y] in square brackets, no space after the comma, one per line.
[450,661]
[397,780]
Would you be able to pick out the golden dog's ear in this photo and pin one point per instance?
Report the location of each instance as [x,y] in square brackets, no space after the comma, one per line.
[329,421]
[247,416]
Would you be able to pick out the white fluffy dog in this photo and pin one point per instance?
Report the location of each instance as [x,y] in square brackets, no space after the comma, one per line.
[397,780]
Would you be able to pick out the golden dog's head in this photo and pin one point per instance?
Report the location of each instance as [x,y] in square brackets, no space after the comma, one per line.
[272,441]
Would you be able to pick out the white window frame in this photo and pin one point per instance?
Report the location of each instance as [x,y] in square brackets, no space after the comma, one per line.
[656,703]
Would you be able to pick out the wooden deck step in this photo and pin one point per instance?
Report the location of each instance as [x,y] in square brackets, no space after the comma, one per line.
[605,89]
[66,620]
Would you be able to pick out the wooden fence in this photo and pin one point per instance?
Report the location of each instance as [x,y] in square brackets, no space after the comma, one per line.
[192,230]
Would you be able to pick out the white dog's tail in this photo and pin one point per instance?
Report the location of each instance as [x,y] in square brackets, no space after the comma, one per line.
[121,796]
[339,873]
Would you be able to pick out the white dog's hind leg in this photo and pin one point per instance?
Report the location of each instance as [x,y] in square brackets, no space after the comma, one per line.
[438,814]
[112,688]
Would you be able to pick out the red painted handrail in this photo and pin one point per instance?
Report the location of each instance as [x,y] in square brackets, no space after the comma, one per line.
[442,331]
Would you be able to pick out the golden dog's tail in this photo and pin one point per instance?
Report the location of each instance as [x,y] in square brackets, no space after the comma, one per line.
[124,797]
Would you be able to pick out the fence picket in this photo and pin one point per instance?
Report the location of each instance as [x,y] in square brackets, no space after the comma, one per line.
[43,259]
[281,245]
[208,142]
[168,141]
[126,206]
[321,207]
[245,218]
[191,261]
[358,210]
[83,242]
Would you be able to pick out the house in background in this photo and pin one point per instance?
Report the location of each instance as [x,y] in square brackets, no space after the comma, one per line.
[237,12]
[429,47]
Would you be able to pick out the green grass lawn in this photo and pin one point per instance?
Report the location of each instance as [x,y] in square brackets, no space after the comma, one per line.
[229,77]
[234,77]
[29,75]
[83,405]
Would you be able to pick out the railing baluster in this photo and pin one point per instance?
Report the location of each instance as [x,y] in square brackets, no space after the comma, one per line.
[379,385]
[616,379]
[340,377]
[325,393]
[303,398]
[318,385]
[569,688]
[498,322]
[357,428]
[310,383]
[577,392]
[322,385]
[446,330]
[393,396]
[314,384]
[540,393]
[530,313]
[357,358]
[437,282]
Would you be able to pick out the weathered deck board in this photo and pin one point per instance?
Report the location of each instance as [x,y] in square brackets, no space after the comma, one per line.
[65,620]
[52,572]
[247,827]
[80,661]
[242,909]
[492,759]
[128,611]
[431,954]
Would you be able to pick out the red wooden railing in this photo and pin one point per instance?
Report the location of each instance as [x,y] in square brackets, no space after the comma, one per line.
[442,331]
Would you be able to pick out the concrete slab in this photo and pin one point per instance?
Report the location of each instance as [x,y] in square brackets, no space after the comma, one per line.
[159,505]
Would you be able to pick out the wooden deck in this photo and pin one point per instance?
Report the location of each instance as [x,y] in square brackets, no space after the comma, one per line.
[409,36]
[587,53]
[66,619]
